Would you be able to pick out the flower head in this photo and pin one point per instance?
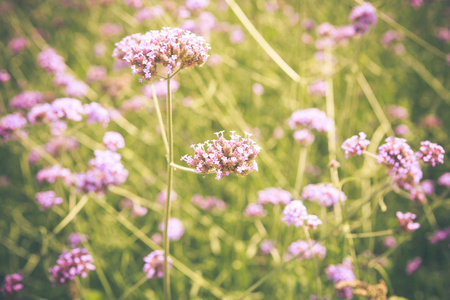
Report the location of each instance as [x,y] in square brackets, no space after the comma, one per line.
[431,153]
[413,265]
[304,137]
[318,87]
[76,239]
[324,194]
[12,284]
[154,264]
[274,196]
[444,179]
[255,210]
[176,229]
[295,213]
[173,48]
[48,199]
[208,203]
[26,99]
[77,261]
[312,118]
[113,140]
[224,156]
[405,221]
[303,250]
[50,61]
[342,272]
[11,123]
[363,17]
[355,145]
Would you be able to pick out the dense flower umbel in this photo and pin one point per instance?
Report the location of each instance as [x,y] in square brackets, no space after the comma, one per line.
[154,264]
[274,196]
[76,239]
[440,235]
[405,221]
[312,118]
[26,99]
[48,199]
[77,261]
[255,210]
[338,273]
[51,174]
[176,229]
[113,140]
[431,153]
[363,17]
[224,156]
[10,123]
[444,179]
[295,213]
[12,285]
[302,249]
[174,48]
[324,194]
[403,164]
[355,145]
[413,265]
[208,203]
[106,169]
[49,60]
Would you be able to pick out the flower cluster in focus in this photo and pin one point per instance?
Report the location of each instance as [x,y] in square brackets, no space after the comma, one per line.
[224,156]
[77,261]
[154,264]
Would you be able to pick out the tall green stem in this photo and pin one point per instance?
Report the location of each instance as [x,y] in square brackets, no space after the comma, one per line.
[169,190]
[314,261]
[300,171]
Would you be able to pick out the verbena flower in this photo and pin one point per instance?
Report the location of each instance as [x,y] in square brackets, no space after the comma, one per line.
[69,108]
[413,265]
[51,174]
[48,199]
[4,76]
[318,87]
[313,221]
[41,113]
[50,61]
[224,156]
[162,197]
[440,235]
[196,5]
[431,153]
[428,187]
[302,249]
[355,145]
[113,140]
[304,137]
[402,162]
[255,210]
[76,239]
[176,229]
[18,44]
[342,272]
[405,221]
[324,194]
[173,48]
[77,261]
[363,17]
[295,213]
[274,196]
[208,203]
[397,112]
[12,285]
[9,124]
[26,99]
[105,170]
[312,118]
[444,179]
[96,113]
[160,88]
[267,246]
[154,264]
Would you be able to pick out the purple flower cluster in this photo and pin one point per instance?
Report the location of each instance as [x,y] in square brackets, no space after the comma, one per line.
[73,87]
[324,194]
[302,249]
[304,137]
[363,17]
[162,197]
[174,48]
[96,113]
[342,272]
[405,221]
[176,229]
[440,235]
[12,285]
[48,199]
[77,261]
[431,153]
[208,203]
[224,156]
[413,265]
[397,112]
[69,108]
[160,88]
[401,160]
[255,210]
[51,62]
[318,87]
[154,264]
[355,145]
[105,169]
[4,76]
[267,246]
[274,196]
[26,99]
[136,209]
[113,141]
[51,174]
[444,179]
[18,44]
[312,118]
[196,5]
[11,123]
[76,239]
[295,213]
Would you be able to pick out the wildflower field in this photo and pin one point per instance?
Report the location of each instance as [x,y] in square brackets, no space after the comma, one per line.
[199,149]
